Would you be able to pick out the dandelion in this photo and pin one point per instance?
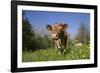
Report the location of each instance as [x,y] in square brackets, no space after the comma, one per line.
[83,56]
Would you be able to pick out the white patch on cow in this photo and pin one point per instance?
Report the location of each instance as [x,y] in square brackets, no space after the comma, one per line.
[55,46]
[54,36]
[58,42]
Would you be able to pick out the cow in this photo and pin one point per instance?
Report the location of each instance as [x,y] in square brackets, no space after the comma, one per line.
[58,35]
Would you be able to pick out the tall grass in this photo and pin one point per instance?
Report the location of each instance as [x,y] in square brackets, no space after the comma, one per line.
[51,54]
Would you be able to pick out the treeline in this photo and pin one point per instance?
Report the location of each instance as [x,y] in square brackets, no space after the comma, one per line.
[83,34]
[32,40]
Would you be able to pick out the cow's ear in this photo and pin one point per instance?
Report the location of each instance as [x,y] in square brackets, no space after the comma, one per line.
[65,26]
[49,27]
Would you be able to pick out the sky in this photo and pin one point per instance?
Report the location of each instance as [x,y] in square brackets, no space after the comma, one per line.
[39,19]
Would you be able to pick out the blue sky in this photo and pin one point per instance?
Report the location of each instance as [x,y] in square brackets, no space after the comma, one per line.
[39,19]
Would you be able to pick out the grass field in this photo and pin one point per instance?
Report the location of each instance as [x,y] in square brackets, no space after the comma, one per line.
[51,54]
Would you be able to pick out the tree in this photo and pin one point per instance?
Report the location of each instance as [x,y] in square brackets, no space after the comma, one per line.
[83,35]
[28,34]
[32,40]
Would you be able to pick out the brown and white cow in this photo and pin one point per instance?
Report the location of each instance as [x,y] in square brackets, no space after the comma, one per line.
[58,35]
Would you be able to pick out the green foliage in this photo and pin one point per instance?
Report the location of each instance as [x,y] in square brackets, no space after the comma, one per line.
[31,40]
[51,54]
[42,42]
[28,34]
[83,34]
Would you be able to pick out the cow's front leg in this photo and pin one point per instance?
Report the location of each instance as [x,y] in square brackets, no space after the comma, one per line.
[58,46]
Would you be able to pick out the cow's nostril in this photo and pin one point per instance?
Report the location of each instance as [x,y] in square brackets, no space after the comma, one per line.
[56,35]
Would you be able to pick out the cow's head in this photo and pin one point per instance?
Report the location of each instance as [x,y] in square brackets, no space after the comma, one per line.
[58,31]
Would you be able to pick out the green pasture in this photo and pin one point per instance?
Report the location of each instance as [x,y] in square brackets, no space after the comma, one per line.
[51,54]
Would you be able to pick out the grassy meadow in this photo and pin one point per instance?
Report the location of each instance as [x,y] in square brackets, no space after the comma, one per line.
[37,44]
[51,54]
